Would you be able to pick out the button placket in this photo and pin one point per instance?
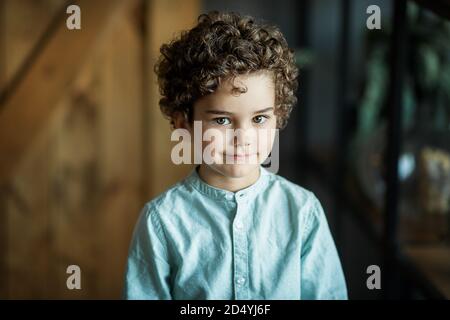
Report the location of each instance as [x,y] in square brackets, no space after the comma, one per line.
[240,253]
[229,197]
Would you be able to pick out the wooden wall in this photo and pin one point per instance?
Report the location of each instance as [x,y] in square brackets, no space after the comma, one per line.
[95,151]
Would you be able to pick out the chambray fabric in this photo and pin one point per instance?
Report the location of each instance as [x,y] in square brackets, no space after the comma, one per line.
[270,240]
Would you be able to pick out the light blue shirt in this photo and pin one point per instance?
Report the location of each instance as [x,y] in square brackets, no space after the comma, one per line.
[270,240]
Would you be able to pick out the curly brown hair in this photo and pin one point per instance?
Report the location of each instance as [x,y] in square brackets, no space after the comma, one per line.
[220,47]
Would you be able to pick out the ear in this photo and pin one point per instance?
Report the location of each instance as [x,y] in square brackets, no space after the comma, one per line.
[180,121]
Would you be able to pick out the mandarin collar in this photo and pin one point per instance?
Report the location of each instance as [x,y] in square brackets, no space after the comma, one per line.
[220,194]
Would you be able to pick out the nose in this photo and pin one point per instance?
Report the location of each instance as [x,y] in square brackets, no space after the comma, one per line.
[243,137]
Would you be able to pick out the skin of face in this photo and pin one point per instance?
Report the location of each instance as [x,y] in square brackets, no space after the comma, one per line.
[236,156]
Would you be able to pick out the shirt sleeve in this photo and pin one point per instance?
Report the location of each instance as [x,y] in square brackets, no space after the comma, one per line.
[322,277]
[147,270]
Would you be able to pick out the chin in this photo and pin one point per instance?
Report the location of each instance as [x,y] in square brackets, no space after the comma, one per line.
[235,170]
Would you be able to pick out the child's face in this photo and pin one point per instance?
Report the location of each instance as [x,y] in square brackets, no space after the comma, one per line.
[250,114]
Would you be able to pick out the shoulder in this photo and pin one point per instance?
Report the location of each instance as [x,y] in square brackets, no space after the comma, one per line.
[301,199]
[156,214]
[173,197]
[289,189]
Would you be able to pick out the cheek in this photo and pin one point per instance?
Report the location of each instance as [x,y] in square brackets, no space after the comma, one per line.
[215,140]
[266,138]
[215,146]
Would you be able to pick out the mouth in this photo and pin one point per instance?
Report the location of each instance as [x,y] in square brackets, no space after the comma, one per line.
[241,156]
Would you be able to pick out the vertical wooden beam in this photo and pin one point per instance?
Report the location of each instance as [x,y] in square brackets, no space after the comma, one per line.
[165,20]
[3,244]
[2,45]
[3,221]
[144,25]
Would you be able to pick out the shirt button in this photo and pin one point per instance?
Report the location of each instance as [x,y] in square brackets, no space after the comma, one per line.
[239,225]
[229,197]
[240,281]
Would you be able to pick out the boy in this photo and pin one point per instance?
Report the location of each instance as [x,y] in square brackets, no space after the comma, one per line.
[232,229]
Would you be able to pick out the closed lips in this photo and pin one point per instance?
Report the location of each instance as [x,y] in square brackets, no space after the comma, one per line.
[240,155]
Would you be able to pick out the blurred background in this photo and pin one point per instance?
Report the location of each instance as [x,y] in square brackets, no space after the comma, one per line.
[83,144]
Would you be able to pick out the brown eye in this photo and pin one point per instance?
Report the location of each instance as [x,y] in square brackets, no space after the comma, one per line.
[260,119]
[222,121]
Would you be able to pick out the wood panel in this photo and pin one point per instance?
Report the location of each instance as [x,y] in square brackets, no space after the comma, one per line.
[76,189]
[76,194]
[27,105]
[22,25]
[166,20]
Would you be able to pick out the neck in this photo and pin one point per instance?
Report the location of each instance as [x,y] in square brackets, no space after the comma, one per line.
[221,181]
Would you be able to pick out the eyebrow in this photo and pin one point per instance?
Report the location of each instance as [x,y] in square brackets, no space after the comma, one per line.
[230,113]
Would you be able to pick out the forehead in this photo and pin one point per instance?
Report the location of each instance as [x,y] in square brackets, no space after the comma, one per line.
[260,94]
